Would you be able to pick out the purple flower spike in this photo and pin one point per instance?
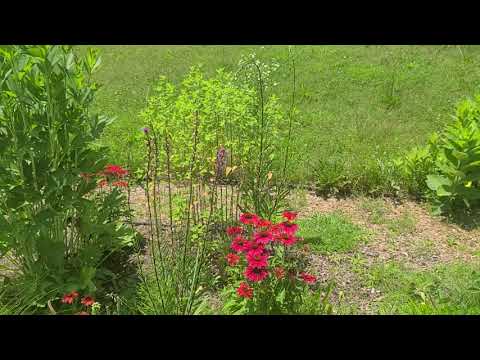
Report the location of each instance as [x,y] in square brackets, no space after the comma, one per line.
[145,130]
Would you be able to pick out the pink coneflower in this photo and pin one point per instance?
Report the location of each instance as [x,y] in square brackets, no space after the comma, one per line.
[239,244]
[308,278]
[255,274]
[257,259]
[103,183]
[289,228]
[234,230]
[286,239]
[115,170]
[249,219]
[120,183]
[70,297]
[254,246]
[263,237]
[289,215]
[232,259]
[88,301]
[263,223]
[245,291]
[276,230]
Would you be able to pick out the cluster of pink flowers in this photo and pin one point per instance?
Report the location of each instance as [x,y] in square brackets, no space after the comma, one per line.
[111,172]
[85,301]
[257,248]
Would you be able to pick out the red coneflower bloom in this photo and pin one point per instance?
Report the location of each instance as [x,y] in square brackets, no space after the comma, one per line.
[289,215]
[279,272]
[115,170]
[289,228]
[239,244]
[70,297]
[88,301]
[255,274]
[232,259]
[263,237]
[120,183]
[245,291]
[234,230]
[276,230]
[103,183]
[257,259]
[308,278]
[287,239]
[254,246]
[249,219]
[263,223]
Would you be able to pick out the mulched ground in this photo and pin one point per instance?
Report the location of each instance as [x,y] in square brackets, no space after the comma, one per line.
[430,242]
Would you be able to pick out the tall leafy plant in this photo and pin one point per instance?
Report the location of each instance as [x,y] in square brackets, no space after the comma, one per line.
[51,216]
[456,184]
[264,184]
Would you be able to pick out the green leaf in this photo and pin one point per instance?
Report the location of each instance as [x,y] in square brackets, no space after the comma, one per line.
[436,181]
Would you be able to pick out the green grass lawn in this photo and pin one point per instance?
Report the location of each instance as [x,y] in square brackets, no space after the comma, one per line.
[327,233]
[451,289]
[360,105]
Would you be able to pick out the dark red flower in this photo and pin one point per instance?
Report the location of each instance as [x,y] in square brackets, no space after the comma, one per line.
[88,301]
[263,237]
[276,230]
[249,219]
[234,230]
[289,215]
[239,244]
[103,183]
[70,297]
[120,183]
[257,259]
[286,239]
[232,259]
[254,246]
[279,272]
[308,278]
[115,170]
[255,274]
[263,223]
[245,291]
[289,228]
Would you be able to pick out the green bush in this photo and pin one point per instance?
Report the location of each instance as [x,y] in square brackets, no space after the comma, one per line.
[222,109]
[51,215]
[455,183]
[415,166]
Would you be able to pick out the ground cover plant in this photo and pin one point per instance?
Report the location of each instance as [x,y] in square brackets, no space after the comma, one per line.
[239,180]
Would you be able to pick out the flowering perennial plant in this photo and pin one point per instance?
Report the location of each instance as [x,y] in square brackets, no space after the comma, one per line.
[86,303]
[262,256]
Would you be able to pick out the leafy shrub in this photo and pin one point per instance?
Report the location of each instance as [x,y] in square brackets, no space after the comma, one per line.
[265,274]
[51,215]
[455,184]
[416,165]
[221,107]
[241,132]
